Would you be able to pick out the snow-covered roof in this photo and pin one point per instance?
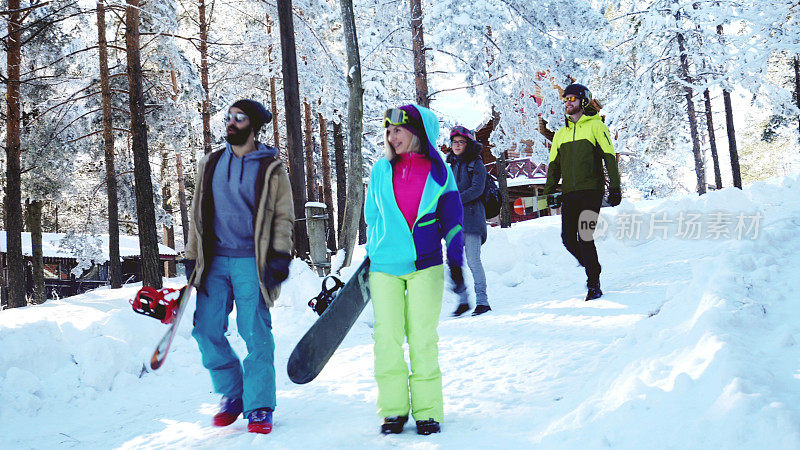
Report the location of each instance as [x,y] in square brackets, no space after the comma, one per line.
[128,246]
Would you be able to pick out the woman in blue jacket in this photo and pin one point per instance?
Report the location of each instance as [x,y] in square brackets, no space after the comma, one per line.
[470,173]
[412,204]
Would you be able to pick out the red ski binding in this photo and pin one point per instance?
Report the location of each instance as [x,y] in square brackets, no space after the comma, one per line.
[161,304]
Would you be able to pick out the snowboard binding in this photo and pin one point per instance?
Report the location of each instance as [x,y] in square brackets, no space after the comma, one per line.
[161,304]
[320,303]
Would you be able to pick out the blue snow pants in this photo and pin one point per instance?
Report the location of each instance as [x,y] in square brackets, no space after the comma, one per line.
[232,280]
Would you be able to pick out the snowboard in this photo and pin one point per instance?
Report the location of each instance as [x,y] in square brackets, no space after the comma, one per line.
[323,338]
[160,353]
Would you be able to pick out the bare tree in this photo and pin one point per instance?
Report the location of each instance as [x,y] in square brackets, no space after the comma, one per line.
[355,113]
[114,263]
[418,45]
[145,208]
[294,136]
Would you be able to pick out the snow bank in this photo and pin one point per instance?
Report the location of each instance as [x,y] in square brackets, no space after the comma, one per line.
[716,364]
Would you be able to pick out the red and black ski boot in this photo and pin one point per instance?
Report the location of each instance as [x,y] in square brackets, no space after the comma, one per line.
[158,303]
[229,411]
[260,421]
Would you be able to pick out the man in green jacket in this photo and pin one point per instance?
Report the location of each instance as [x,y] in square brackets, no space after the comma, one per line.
[577,155]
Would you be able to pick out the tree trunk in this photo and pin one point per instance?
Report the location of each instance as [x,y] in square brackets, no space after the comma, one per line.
[34,211]
[796,64]
[145,209]
[273,95]
[169,232]
[418,44]
[16,263]
[362,224]
[181,180]
[735,171]
[712,140]
[502,185]
[3,285]
[206,104]
[341,178]
[326,181]
[182,196]
[311,178]
[294,137]
[114,264]
[355,113]
[734,152]
[699,166]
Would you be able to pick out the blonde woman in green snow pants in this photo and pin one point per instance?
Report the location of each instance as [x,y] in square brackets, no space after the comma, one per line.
[412,204]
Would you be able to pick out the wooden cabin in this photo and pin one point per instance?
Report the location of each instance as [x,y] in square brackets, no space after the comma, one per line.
[58,264]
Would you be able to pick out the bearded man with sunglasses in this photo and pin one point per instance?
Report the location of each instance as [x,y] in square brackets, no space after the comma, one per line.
[239,247]
[578,153]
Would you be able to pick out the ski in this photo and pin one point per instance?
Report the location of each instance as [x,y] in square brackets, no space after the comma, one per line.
[160,353]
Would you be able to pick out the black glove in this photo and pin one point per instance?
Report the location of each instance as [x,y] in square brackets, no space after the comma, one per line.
[458,279]
[277,269]
[554,201]
[188,266]
[614,197]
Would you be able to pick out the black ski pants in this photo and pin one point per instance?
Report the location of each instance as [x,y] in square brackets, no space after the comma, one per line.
[579,212]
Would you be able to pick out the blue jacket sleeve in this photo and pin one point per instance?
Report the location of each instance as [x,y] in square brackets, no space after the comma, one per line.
[451,216]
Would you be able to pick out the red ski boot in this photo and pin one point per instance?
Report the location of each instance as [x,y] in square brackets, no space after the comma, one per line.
[229,410]
[260,421]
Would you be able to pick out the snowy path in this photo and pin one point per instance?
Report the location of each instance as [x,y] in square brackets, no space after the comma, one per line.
[694,344]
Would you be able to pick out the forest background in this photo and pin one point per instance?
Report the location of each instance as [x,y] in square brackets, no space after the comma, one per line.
[108,106]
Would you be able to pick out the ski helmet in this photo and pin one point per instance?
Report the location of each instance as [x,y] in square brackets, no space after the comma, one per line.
[581,92]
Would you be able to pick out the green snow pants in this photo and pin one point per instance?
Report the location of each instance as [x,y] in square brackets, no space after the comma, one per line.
[408,307]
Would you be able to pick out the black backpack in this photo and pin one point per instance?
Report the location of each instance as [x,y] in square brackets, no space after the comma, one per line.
[490,196]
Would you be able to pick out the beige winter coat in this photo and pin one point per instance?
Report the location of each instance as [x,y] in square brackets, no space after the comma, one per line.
[273,225]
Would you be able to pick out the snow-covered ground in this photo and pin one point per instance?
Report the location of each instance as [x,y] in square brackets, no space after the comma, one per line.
[695,344]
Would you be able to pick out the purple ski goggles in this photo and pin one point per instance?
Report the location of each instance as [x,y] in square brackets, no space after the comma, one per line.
[461,131]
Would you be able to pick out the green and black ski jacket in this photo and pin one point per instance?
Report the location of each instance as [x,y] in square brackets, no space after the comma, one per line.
[578,152]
